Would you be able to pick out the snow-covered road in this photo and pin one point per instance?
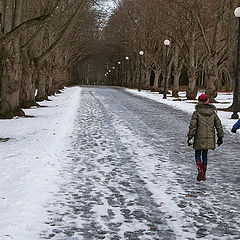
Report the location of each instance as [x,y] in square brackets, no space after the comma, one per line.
[130,175]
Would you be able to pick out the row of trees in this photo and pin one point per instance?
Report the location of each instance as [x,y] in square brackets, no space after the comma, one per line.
[47,44]
[203,42]
[41,43]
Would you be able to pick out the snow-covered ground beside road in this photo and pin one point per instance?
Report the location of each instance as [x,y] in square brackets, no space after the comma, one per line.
[224,100]
[30,161]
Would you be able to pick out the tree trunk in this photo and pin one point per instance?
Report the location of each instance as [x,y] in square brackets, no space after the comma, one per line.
[211,90]
[49,86]
[49,82]
[192,90]
[146,81]
[176,84]
[136,73]
[11,74]
[132,79]
[56,81]
[27,88]
[11,80]
[177,71]
[62,79]
[156,80]
[41,93]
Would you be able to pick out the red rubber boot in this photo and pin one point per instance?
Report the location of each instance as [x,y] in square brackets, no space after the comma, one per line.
[204,172]
[200,176]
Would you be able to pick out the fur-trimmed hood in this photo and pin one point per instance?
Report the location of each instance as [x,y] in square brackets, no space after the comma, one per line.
[205,109]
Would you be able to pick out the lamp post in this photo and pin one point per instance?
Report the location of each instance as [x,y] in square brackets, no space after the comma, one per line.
[140,68]
[126,68]
[236,89]
[110,76]
[107,78]
[113,75]
[166,43]
[118,72]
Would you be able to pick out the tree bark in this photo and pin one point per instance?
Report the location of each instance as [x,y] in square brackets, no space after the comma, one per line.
[11,74]
[192,90]
[156,80]
[178,65]
[42,75]
[211,90]
[146,81]
[11,80]
[49,82]
[27,88]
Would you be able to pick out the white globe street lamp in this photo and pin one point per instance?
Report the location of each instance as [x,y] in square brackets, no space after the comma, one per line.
[166,43]
[118,75]
[126,70]
[140,69]
[237,12]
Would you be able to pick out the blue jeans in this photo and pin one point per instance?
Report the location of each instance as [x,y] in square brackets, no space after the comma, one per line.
[198,154]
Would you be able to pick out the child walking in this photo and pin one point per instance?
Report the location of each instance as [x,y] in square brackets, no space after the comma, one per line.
[202,133]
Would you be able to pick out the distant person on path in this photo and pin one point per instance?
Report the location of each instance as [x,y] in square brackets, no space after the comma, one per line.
[202,133]
[236,126]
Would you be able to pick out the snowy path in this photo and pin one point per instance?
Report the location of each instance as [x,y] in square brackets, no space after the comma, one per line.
[130,175]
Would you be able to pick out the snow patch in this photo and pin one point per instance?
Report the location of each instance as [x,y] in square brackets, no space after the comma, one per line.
[30,163]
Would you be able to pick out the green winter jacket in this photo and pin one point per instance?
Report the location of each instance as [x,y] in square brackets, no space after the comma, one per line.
[202,127]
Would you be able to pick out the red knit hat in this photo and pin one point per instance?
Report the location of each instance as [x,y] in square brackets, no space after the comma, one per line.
[202,98]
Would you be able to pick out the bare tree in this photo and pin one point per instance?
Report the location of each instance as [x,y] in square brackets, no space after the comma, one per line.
[33,40]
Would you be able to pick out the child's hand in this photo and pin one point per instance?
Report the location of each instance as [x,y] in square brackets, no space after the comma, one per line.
[190,141]
[219,141]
